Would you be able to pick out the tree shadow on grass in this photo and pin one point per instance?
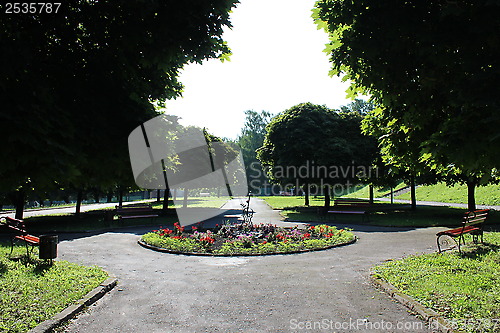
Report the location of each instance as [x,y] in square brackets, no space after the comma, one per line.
[478,251]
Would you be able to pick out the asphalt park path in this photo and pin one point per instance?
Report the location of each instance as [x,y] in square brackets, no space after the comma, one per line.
[160,292]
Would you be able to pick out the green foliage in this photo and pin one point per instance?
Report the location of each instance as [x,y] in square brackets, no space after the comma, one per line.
[309,135]
[252,138]
[79,81]
[459,287]
[431,69]
[33,292]
[247,239]
[181,245]
[358,105]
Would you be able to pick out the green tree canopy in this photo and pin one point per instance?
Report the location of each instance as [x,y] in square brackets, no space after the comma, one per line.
[252,138]
[312,144]
[433,67]
[74,84]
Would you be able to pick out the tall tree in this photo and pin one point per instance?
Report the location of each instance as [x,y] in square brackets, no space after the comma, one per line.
[358,105]
[252,138]
[328,148]
[75,83]
[432,66]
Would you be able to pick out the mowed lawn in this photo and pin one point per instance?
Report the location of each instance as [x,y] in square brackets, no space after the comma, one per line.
[465,289]
[33,291]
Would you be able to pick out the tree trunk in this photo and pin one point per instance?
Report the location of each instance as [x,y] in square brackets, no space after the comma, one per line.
[185,203]
[327,197]
[413,194]
[371,193]
[306,194]
[392,195]
[79,199]
[471,197]
[165,200]
[109,197]
[18,201]
[158,196]
[120,197]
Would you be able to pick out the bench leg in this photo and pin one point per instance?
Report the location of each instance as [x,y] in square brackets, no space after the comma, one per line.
[461,241]
[11,246]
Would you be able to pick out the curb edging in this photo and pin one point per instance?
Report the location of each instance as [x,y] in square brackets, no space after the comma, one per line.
[431,317]
[68,313]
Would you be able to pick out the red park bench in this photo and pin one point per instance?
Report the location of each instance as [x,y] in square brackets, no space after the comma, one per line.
[472,223]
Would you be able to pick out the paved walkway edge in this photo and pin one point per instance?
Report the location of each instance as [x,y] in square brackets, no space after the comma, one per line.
[433,319]
[68,313]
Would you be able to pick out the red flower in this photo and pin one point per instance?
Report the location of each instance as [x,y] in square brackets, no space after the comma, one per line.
[207,239]
[264,242]
[306,235]
[194,228]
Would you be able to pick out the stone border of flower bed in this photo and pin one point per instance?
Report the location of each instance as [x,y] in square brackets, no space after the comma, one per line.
[71,311]
[431,317]
[159,249]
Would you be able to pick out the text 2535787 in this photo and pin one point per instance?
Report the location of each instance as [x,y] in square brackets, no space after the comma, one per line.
[32,7]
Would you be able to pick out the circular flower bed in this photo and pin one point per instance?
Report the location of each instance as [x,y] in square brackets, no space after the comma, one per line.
[245,239]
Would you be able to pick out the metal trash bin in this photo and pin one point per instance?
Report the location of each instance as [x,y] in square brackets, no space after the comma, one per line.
[48,247]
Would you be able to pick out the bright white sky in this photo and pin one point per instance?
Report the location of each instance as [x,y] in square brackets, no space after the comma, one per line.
[277,62]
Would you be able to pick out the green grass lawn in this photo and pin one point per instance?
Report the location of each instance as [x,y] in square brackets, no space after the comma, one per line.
[485,195]
[378,192]
[33,292]
[383,214]
[280,202]
[205,202]
[459,287]
[89,221]
[95,220]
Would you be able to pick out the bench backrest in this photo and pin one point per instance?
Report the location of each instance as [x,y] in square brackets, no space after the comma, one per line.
[14,224]
[125,210]
[476,217]
[351,202]
[135,206]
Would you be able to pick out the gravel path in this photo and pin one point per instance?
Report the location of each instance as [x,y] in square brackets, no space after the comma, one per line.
[159,292]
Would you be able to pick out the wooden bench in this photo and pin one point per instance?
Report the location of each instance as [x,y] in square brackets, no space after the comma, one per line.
[19,229]
[472,223]
[350,206]
[135,211]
